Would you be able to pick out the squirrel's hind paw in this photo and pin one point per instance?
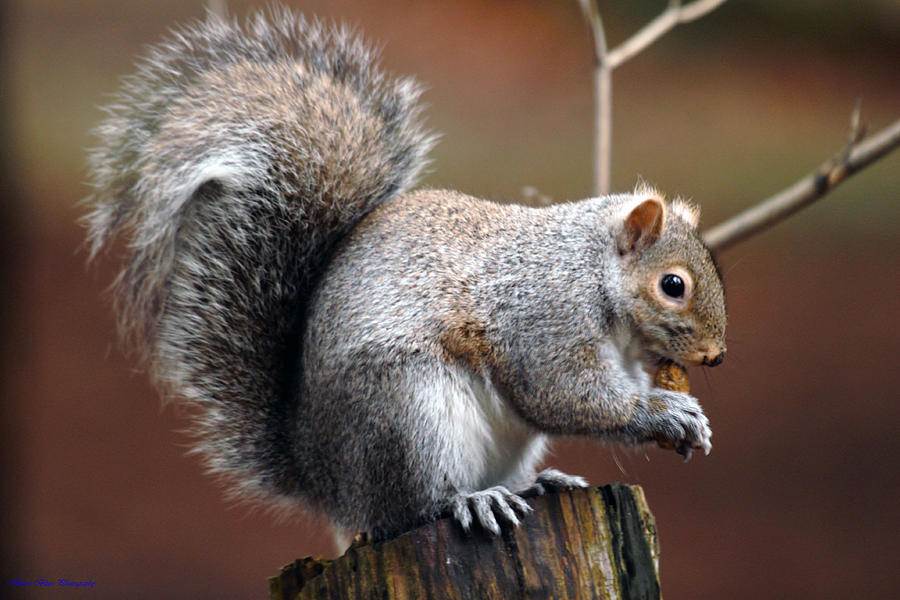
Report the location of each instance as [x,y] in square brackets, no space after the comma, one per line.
[485,505]
[553,480]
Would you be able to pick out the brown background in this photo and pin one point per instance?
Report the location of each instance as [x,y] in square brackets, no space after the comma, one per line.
[800,495]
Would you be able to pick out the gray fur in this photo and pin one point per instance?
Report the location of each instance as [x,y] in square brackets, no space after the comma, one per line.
[378,355]
[233,160]
[552,295]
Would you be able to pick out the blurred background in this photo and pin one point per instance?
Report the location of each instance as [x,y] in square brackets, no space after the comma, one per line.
[800,495]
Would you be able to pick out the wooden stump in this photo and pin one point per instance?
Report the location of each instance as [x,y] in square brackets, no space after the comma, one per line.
[590,543]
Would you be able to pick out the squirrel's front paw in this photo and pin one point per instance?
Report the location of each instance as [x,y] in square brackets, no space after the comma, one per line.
[485,505]
[673,420]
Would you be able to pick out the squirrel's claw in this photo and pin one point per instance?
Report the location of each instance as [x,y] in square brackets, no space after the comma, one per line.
[485,506]
[684,449]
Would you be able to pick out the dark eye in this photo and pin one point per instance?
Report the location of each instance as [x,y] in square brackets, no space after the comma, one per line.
[672,285]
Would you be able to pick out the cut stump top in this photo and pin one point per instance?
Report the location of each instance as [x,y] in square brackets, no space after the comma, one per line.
[588,543]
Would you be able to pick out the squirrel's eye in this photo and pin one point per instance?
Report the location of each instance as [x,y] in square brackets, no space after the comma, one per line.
[672,285]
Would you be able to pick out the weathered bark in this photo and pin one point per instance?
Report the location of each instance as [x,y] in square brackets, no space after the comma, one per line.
[591,543]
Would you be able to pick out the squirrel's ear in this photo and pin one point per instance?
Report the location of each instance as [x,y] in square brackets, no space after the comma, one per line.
[642,226]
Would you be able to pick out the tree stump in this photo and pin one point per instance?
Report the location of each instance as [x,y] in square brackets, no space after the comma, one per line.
[588,543]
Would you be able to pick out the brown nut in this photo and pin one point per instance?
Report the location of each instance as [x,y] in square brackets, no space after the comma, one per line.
[673,377]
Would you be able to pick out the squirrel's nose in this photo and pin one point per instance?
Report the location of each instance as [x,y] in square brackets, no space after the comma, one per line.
[716,360]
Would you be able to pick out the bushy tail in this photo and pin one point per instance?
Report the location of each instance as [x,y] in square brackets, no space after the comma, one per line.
[233,161]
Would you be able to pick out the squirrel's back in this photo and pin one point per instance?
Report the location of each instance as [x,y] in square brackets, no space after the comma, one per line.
[233,161]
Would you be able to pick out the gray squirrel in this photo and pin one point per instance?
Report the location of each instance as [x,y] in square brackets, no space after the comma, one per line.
[352,347]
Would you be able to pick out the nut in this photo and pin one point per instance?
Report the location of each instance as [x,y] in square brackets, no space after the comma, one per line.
[673,377]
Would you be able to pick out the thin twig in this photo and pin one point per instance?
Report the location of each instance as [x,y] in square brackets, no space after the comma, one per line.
[606,60]
[598,35]
[809,189]
[655,29]
[602,99]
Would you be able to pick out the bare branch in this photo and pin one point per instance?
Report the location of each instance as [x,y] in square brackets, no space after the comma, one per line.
[602,99]
[856,157]
[655,29]
[857,154]
[603,95]
[605,61]
[598,35]
[695,10]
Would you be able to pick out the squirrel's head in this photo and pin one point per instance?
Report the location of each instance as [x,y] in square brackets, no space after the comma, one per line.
[675,296]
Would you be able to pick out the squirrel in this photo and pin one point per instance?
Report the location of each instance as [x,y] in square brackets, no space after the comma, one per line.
[355,348]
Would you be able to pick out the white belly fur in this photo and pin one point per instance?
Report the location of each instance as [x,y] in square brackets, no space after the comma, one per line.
[481,441]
